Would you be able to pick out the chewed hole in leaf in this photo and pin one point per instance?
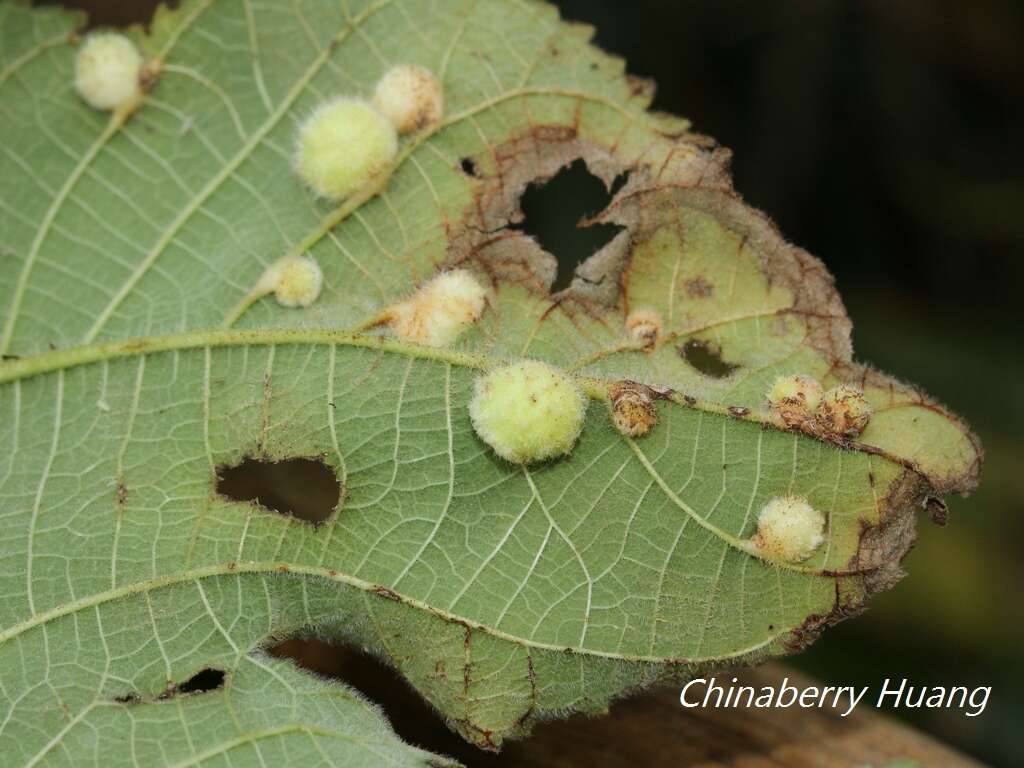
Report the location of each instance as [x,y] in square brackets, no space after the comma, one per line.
[468,166]
[553,210]
[706,358]
[411,717]
[304,488]
[204,681]
[114,14]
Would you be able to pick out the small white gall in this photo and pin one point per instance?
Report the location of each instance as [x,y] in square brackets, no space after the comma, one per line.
[528,411]
[410,97]
[788,528]
[644,325]
[343,146]
[844,411]
[633,411]
[795,399]
[107,71]
[297,281]
[438,313]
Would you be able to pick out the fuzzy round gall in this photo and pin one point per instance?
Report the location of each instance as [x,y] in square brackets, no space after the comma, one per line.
[528,411]
[795,399]
[789,529]
[410,97]
[343,146]
[438,313]
[298,281]
[844,411]
[107,71]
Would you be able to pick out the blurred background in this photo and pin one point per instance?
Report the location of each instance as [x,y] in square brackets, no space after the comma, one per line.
[887,138]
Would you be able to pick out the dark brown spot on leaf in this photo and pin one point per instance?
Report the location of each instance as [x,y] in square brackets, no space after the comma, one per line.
[706,358]
[699,288]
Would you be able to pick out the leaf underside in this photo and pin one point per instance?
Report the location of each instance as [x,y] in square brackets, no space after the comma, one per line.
[504,595]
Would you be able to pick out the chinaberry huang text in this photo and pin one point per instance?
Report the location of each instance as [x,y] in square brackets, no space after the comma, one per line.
[712,693]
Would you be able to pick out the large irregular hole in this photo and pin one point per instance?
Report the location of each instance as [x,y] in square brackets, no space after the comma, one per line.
[706,358]
[304,488]
[552,211]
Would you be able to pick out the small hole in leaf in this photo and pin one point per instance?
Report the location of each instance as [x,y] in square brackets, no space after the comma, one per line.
[552,211]
[706,358]
[299,487]
[469,168]
[204,681]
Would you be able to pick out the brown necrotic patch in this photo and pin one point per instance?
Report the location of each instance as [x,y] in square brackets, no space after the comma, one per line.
[699,287]
[304,488]
[706,358]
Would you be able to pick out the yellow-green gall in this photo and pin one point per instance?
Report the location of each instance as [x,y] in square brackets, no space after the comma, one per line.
[795,399]
[528,411]
[438,313]
[297,281]
[789,529]
[107,71]
[343,146]
[410,97]
[644,325]
[844,411]
[633,411]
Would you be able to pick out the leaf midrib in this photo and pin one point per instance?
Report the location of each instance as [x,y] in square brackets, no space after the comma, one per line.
[256,567]
[595,388]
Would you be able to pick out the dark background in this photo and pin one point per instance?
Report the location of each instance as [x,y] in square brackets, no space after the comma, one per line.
[886,137]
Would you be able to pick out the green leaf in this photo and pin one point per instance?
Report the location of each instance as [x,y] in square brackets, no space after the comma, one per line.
[140,363]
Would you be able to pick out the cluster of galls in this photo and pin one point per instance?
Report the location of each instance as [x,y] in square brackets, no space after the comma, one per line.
[345,146]
[841,413]
[349,142]
[530,411]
